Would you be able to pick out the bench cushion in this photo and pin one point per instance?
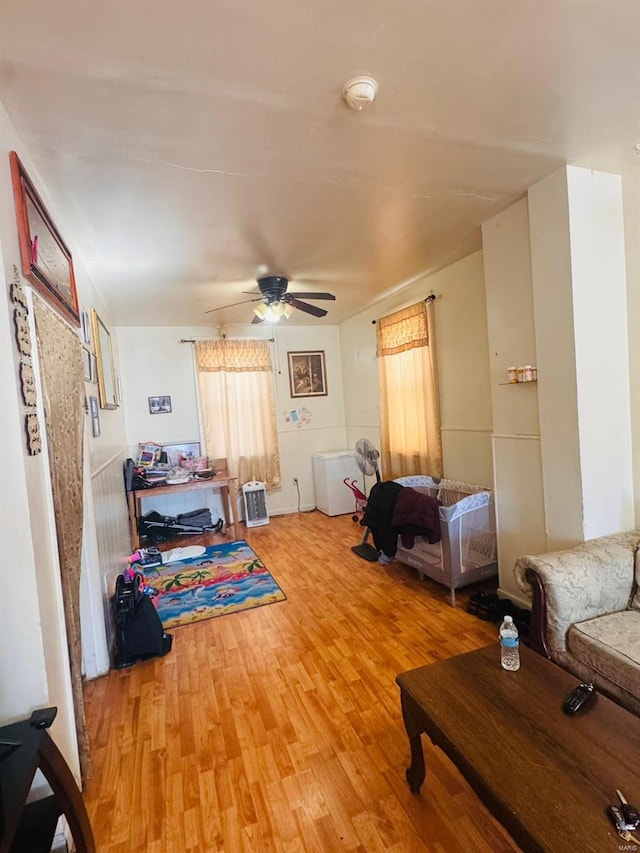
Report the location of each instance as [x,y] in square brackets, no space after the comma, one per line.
[610,645]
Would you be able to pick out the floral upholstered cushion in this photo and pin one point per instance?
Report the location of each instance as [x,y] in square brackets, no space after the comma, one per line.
[610,647]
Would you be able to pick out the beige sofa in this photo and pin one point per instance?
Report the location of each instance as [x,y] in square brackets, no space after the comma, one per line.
[586,611]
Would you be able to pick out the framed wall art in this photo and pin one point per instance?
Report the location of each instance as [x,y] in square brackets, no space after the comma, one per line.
[86,327]
[95,417]
[307,374]
[159,405]
[104,360]
[46,261]
[86,364]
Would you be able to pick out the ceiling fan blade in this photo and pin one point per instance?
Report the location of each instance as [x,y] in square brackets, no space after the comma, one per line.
[313,296]
[308,309]
[233,304]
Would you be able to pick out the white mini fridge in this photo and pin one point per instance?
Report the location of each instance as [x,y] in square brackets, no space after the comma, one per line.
[333,497]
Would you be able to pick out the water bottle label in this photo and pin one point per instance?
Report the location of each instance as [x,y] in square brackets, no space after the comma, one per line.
[509,642]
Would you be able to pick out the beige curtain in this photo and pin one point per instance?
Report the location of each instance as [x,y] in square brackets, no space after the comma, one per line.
[63,391]
[409,406]
[238,408]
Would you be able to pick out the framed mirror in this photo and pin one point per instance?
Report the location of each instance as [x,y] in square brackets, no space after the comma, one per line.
[104,358]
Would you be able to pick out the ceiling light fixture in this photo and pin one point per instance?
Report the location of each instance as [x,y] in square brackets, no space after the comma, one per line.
[261,310]
[359,92]
[273,311]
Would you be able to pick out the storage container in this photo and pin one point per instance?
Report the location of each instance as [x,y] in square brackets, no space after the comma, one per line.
[329,473]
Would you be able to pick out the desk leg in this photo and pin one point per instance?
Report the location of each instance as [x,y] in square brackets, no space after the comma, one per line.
[57,773]
[415,773]
[133,521]
[231,515]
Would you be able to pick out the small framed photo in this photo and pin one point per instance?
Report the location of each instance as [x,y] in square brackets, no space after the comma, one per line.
[86,364]
[93,361]
[95,416]
[148,453]
[159,405]
[307,374]
[86,327]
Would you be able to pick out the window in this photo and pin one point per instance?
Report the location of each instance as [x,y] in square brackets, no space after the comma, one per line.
[238,409]
[409,409]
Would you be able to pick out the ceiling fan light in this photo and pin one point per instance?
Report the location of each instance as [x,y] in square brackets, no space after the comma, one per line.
[272,315]
[261,311]
[287,311]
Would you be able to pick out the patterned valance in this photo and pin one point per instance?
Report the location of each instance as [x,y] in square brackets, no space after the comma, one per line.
[233,356]
[402,330]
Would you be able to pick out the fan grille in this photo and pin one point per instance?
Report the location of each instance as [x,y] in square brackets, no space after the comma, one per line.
[366,456]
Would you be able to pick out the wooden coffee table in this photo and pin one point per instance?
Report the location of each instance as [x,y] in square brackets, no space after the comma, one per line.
[547,777]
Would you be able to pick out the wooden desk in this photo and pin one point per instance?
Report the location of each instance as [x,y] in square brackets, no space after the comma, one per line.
[546,776]
[27,828]
[221,480]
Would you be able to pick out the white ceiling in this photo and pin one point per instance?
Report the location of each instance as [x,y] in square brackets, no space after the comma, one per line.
[187,145]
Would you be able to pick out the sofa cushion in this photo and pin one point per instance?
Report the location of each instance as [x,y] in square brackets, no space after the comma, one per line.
[610,645]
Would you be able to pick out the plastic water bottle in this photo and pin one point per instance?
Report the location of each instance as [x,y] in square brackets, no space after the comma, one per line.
[509,642]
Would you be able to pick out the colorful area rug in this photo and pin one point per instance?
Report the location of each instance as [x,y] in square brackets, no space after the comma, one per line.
[227,578]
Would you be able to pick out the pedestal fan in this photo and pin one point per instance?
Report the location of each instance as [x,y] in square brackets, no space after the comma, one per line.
[367,458]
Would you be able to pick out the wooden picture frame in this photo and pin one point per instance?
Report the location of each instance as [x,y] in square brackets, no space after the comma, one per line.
[307,374]
[46,261]
[104,360]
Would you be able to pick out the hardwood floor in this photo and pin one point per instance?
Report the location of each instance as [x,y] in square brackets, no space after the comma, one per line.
[279,728]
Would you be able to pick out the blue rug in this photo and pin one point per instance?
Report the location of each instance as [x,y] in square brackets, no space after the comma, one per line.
[227,578]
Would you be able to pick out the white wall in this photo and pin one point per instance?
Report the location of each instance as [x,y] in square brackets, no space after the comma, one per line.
[463,367]
[579,289]
[604,416]
[154,362]
[516,437]
[463,370]
[23,677]
[556,297]
[34,669]
[631,209]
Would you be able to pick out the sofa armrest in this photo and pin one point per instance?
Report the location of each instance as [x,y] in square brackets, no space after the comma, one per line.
[538,626]
[576,584]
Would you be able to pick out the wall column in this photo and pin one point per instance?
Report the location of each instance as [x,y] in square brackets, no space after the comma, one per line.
[580,317]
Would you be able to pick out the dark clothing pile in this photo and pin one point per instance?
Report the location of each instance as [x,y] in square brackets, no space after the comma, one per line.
[393,510]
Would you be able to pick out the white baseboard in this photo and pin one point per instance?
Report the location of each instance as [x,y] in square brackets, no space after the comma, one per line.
[519,600]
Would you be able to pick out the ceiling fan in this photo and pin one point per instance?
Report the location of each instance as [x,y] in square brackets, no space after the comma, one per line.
[276,302]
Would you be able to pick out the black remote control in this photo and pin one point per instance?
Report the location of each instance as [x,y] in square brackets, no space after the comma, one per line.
[577,698]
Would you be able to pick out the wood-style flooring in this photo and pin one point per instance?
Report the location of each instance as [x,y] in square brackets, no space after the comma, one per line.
[279,728]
